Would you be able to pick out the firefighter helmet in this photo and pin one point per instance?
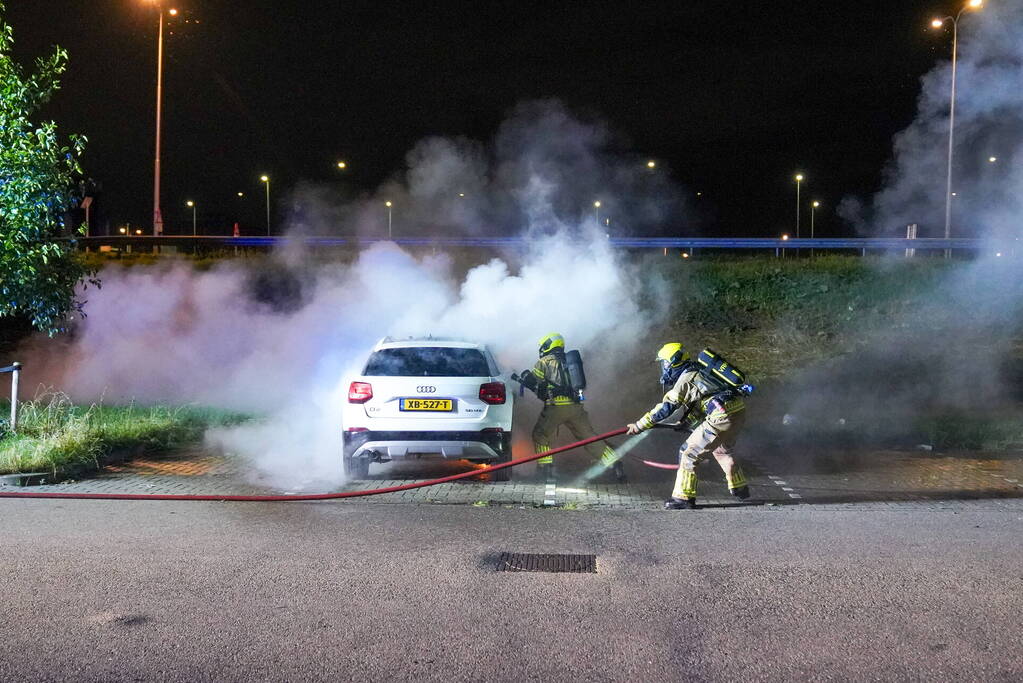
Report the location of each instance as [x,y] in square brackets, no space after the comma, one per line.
[550,342]
[672,355]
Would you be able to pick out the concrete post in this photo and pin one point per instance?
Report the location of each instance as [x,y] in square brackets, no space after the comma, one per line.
[15,375]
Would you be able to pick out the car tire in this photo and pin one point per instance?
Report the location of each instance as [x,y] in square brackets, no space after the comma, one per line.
[355,467]
[505,455]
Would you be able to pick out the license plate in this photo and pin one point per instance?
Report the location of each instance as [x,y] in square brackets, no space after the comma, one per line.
[436,405]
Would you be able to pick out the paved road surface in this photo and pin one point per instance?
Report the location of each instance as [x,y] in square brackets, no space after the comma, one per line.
[340,591]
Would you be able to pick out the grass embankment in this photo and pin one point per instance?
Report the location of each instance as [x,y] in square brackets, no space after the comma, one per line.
[777,315]
[66,440]
[941,335]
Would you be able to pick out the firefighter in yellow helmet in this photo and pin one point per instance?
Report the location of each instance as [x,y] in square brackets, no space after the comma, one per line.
[550,381]
[717,416]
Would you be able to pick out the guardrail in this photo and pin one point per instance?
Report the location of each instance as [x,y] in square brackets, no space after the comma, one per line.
[15,370]
[723,243]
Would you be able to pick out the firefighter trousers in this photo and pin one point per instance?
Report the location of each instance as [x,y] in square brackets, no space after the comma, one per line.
[716,435]
[574,417]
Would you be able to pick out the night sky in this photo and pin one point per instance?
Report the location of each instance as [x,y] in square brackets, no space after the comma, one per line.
[731,98]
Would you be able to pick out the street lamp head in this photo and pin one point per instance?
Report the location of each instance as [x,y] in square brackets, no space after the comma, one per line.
[189,203]
[799,177]
[387,204]
[173,12]
[596,204]
[342,165]
[992,159]
[785,237]
[264,178]
[651,164]
[241,194]
[124,231]
[937,23]
[138,232]
[975,3]
[816,205]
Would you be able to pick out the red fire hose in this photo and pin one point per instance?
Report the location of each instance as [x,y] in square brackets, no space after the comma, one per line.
[313,496]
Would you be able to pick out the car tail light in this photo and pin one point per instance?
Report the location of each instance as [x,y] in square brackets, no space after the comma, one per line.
[356,429]
[493,430]
[493,393]
[360,392]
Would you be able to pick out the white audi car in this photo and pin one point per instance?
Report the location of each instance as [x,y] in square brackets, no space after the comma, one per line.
[426,397]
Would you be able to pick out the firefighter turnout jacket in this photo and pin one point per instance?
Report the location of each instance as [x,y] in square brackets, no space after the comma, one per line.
[550,380]
[702,402]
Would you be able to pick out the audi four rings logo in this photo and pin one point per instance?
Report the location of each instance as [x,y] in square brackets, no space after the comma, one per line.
[426,390]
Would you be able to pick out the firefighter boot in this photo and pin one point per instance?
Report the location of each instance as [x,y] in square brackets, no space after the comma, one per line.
[742,493]
[680,504]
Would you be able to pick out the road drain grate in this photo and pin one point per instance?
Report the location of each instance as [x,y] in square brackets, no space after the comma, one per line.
[542,562]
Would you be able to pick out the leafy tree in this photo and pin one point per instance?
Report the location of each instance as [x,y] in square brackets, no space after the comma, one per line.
[38,271]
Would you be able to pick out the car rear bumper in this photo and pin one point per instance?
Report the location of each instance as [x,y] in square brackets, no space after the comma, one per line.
[454,445]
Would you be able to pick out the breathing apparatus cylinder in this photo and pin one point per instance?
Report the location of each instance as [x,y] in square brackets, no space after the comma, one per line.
[576,373]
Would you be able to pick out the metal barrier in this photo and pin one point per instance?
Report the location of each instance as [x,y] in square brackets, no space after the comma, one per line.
[723,243]
[15,370]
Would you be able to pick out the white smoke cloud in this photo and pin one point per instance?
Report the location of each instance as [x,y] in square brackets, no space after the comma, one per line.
[280,336]
[989,123]
[542,172]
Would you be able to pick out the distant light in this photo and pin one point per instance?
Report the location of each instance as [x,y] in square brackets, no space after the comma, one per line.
[651,164]
[264,178]
[976,3]
[799,177]
[937,23]
[953,194]
[124,231]
[596,204]
[816,205]
[784,238]
[387,204]
[241,194]
[189,203]
[699,194]
[173,12]
[998,254]
[138,232]
[461,194]
[342,165]
[685,255]
[992,159]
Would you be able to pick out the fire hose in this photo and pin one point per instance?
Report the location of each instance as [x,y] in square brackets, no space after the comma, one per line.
[312,496]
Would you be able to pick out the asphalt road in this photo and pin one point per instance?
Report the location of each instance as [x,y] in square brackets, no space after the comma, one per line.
[218,591]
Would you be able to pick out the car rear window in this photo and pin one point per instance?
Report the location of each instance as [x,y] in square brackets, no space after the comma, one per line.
[430,361]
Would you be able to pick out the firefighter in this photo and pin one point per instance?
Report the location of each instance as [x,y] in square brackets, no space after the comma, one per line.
[717,418]
[549,380]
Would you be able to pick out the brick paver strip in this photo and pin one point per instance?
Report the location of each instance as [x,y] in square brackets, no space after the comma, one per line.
[884,480]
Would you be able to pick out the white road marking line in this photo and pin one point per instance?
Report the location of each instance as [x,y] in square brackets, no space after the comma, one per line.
[549,493]
[784,488]
[781,483]
[794,495]
[772,477]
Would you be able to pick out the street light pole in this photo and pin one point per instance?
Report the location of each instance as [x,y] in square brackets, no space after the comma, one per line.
[190,204]
[799,181]
[938,23]
[266,179]
[389,206]
[596,212]
[157,214]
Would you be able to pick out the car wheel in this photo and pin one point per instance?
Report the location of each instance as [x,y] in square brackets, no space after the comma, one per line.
[505,455]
